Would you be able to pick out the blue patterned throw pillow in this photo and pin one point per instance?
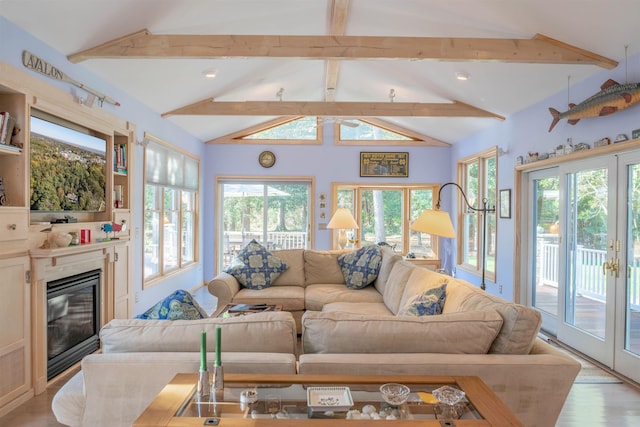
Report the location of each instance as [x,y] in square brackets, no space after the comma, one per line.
[428,303]
[178,305]
[360,268]
[255,267]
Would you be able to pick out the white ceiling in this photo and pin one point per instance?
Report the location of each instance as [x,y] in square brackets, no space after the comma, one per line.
[70,26]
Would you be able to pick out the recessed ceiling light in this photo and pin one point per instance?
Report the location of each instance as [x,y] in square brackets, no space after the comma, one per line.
[210,73]
[461,75]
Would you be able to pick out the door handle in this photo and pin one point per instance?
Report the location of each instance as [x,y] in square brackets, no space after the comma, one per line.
[605,266]
[615,267]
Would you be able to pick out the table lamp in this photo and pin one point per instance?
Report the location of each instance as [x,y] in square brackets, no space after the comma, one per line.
[439,223]
[341,220]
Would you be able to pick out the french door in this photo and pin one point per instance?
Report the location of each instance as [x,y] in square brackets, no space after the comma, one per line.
[583,275]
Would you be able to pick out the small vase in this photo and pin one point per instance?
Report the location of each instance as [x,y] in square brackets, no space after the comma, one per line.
[217,386]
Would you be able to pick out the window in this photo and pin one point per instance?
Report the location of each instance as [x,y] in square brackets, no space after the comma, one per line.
[299,130]
[275,212]
[478,179]
[376,132]
[170,210]
[384,214]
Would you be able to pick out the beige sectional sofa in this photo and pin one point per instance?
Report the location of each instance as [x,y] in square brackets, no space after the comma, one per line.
[139,357]
[346,331]
[343,331]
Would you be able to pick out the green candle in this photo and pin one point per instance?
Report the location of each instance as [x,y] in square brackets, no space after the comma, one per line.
[203,351]
[218,345]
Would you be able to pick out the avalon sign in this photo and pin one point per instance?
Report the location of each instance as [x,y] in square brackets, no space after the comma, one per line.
[39,65]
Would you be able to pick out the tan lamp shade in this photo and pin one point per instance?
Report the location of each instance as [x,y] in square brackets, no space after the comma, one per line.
[433,222]
[342,219]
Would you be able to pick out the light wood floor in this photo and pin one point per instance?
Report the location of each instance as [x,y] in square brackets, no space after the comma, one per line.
[588,405]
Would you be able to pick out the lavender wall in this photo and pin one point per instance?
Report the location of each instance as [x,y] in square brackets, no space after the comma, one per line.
[528,131]
[327,163]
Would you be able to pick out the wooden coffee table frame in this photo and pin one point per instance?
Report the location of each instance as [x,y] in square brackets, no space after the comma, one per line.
[161,412]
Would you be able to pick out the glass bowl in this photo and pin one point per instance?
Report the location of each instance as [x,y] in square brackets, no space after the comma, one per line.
[395,394]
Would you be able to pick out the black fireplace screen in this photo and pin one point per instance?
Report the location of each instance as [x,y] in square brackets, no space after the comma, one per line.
[73,313]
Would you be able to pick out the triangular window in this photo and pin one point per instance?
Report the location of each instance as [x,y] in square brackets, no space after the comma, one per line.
[305,128]
[358,130]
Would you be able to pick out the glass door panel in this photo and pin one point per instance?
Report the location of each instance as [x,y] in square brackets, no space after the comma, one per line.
[627,256]
[632,288]
[590,196]
[546,248]
[274,213]
[587,250]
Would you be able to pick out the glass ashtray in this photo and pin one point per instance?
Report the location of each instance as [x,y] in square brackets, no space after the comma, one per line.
[448,395]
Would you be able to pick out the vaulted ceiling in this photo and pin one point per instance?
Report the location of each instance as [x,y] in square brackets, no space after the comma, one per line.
[393,60]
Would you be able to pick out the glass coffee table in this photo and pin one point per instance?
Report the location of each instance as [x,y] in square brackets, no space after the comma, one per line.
[235,310]
[285,400]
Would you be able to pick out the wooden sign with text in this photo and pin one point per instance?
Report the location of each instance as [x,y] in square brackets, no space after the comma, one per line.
[384,164]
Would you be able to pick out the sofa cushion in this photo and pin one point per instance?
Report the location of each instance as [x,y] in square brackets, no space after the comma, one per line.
[255,267]
[394,289]
[120,386]
[360,268]
[428,303]
[420,281]
[521,324]
[372,308]
[469,332]
[272,332]
[316,296]
[389,258]
[290,297]
[322,267]
[294,274]
[69,402]
[178,305]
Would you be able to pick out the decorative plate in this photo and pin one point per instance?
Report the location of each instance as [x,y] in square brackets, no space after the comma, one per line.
[267,159]
[335,399]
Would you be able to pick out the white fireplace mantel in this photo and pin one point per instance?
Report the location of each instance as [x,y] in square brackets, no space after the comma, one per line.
[56,263]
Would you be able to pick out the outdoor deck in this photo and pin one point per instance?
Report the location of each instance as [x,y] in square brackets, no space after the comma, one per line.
[589,314]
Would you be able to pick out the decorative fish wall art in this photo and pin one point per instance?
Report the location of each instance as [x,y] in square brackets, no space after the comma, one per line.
[612,97]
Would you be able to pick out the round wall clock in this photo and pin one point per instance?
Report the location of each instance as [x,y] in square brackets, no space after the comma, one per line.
[267,159]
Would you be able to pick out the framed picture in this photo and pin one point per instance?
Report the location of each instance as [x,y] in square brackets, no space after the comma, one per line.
[505,203]
[384,164]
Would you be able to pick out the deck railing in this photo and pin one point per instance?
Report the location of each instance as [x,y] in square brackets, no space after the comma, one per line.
[590,280]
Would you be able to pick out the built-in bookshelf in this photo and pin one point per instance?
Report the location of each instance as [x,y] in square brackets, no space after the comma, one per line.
[120,172]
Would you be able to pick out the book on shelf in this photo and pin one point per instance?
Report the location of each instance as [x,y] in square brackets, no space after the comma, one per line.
[6,128]
[120,158]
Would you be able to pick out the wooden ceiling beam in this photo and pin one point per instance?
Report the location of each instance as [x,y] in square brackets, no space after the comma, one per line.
[209,107]
[337,24]
[539,49]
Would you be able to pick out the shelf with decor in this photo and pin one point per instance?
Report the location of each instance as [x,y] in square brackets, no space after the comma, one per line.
[87,201]
[121,161]
[13,162]
[581,154]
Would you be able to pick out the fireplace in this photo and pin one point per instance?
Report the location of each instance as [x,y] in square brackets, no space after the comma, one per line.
[73,319]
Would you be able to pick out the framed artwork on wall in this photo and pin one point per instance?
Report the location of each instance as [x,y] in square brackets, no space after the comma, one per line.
[384,164]
[505,203]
